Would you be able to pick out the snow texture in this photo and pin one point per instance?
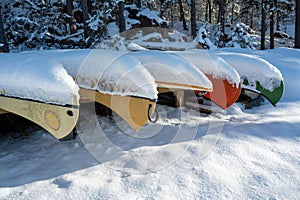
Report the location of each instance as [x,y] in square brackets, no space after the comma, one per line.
[168,67]
[286,60]
[36,77]
[210,64]
[109,72]
[253,69]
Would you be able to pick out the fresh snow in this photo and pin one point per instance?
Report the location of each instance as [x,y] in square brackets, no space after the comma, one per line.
[168,67]
[253,69]
[240,154]
[210,64]
[36,77]
[109,72]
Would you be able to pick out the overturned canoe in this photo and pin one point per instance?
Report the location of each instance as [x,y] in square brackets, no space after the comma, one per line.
[172,72]
[224,78]
[40,90]
[114,79]
[257,75]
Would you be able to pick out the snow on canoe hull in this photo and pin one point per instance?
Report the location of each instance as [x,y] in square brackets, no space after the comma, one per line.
[224,78]
[224,94]
[257,75]
[172,72]
[108,72]
[272,96]
[114,79]
[40,90]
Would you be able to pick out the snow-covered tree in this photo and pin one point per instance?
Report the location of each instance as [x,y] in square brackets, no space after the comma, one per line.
[249,12]
[240,37]
[283,11]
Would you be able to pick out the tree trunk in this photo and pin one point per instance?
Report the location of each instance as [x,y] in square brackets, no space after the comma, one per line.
[85,17]
[72,20]
[222,16]
[277,16]
[3,39]
[219,13]
[297,28]
[263,25]
[193,19]
[252,17]
[272,42]
[121,16]
[232,12]
[182,17]
[208,11]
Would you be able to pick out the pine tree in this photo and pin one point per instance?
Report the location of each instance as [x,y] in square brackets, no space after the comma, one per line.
[249,11]
[283,11]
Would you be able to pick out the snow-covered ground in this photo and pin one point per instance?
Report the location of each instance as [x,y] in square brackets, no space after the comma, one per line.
[245,154]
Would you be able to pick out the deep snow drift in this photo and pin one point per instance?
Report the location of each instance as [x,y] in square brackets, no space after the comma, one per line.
[245,154]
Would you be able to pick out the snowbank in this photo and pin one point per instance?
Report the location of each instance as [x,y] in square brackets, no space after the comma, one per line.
[36,77]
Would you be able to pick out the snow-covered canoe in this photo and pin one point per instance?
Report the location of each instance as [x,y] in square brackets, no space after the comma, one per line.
[39,89]
[130,74]
[114,79]
[225,79]
[257,75]
[172,72]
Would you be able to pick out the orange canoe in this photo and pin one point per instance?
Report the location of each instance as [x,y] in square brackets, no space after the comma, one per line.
[224,93]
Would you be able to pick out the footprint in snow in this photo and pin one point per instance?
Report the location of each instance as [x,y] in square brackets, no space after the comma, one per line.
[62,183]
